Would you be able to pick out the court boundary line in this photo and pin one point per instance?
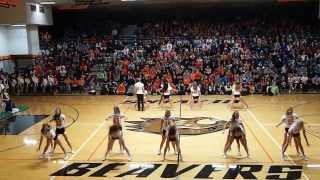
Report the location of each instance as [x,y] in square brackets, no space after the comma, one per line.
[263,148]
[306,124]
[254,117]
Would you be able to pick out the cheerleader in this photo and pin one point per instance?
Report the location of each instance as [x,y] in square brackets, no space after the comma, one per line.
[287,119]
[236,132]
[173,137]
[119,116]
[166,120]
[294,132]
[59,120]
[236,116]
[115,133]
[236,95]
[48,133]
[165,92]
[118,119]
[195,93]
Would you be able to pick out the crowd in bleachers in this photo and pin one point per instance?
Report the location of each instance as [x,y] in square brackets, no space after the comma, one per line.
[259,53]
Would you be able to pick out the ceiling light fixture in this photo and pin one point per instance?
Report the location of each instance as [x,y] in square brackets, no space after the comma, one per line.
[47,2]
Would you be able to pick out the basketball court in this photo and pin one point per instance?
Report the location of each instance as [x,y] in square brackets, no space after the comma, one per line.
[202,150]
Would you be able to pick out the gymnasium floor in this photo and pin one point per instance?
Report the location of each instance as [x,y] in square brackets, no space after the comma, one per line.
[88,137]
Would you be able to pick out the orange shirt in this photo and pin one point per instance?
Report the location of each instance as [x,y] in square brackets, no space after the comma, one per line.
[125,67]
[174,88]
[220,70]
[168,77]
[146,72]
[121,89]
[196,75]
[81,82]
[156,84]
[187,80]
[153,73]
[67,81]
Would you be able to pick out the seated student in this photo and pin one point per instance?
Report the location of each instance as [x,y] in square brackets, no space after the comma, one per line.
[121,89]
[273,90]
[8,104]
[130,90]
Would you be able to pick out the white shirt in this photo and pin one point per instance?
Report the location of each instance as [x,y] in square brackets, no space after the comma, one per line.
[285,119]
[195,92]
[168,91]
[304,79]
[62,120]
[235,124]
[166,120]
[295,127]
[236,92]
[139,88]
[50,134]
[35,79]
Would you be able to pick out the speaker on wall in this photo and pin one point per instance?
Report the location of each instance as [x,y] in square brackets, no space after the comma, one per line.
[41,9]
[33,7]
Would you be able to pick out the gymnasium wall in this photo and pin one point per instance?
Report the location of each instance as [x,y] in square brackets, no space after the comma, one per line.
[7,66]
[19,32]
[33,39]
[19,40]
[13,15]
[41,16]
[3,41]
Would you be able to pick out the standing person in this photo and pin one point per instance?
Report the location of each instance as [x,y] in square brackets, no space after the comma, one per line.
[59,119]
[294,132]
[173,137]
[27,83]
[118,119]
[236,95]
[20,84]
[48,133]
[8,104]
[235,116]
[195,93]
[139,91]
[236,131]
[35,83]
[165,92]
[115,133]
[287,119]
[165,123]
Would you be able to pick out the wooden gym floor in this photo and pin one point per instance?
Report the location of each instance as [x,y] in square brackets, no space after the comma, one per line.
[88,137]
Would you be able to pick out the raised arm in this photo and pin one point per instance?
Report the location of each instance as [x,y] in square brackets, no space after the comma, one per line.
[282,120]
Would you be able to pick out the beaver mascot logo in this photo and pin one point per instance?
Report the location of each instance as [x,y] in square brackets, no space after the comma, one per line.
[187,126]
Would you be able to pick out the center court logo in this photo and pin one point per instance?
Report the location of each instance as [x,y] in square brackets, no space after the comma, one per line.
[187,126]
